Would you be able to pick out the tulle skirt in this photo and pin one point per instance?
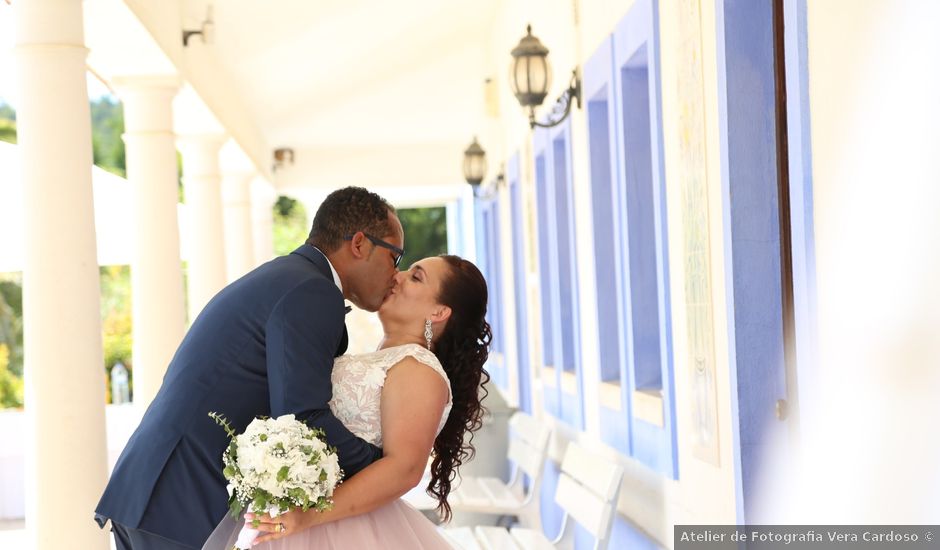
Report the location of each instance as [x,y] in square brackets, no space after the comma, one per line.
[396,525]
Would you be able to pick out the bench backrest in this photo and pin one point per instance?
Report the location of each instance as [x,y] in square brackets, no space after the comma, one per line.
[587,490]
[528,444]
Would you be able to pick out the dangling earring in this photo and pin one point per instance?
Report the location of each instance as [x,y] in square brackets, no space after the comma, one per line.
[427,332]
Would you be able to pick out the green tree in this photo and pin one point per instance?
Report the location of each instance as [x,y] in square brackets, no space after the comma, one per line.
[425,229]
[107,127]
[7,131]
[290,225]
[425,233]
[11,386]
[11,320]
[116,317]
[11,341]
[7,112]
[7,123]
[107,118]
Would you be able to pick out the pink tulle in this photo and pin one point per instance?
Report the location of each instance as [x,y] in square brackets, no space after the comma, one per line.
[396,525]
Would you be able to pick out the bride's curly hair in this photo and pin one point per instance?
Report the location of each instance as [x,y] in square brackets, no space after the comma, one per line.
[462,349]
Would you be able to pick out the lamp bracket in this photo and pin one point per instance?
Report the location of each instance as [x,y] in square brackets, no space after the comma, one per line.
[490,190]
[205,30]
[562,104]
[189,34]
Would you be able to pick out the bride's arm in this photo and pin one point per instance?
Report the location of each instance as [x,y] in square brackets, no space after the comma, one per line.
[413,401]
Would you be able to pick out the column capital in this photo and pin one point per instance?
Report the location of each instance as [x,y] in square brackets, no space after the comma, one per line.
[236,186]
[200,155]
[125,84]
[148,102]
[195,144]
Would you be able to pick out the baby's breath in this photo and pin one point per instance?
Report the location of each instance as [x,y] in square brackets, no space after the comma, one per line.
[278,464]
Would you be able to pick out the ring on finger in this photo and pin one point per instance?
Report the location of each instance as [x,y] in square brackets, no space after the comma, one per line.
[279,528]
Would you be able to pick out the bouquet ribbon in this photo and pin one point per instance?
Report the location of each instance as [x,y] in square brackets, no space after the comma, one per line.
[248,534]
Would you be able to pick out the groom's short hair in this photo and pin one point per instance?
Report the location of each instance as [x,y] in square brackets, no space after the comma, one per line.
[346,211]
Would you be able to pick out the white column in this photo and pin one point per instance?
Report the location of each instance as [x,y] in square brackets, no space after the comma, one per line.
[236,205]
[263,197]
[202,190]
[66,461]
[156,269]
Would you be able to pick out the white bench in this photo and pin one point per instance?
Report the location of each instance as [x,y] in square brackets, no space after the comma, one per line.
[528,447]
[587,492]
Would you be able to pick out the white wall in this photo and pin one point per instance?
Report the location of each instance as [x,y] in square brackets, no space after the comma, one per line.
[874,81]
[704,493]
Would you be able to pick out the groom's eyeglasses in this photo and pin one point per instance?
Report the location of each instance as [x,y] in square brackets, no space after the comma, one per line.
[397,253]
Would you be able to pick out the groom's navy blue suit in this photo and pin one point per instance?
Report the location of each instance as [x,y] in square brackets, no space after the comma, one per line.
[263,346]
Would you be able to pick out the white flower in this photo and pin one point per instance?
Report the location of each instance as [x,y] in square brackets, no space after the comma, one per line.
[274,460]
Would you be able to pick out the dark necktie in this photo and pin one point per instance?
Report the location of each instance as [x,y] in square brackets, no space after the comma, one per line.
[344,340]
[343,343]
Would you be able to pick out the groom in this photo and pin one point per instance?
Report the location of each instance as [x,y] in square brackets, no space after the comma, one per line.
[264,345]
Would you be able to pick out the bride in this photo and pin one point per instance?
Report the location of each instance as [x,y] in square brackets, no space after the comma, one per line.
[415,397]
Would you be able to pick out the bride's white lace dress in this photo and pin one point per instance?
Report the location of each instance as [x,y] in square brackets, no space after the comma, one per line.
[357,398]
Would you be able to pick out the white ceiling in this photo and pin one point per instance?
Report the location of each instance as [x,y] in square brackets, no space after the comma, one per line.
[315,75]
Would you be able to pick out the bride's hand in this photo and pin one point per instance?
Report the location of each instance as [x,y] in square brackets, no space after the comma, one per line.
[283,525]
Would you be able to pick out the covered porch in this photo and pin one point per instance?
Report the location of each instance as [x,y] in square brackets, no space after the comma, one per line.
[718,270]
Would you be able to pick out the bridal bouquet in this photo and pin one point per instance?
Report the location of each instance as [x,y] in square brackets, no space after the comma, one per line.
[276,465]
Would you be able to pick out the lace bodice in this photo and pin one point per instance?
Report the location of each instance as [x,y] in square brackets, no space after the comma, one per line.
[357,387]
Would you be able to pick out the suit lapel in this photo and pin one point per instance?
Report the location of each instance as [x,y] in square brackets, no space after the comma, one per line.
[318,259]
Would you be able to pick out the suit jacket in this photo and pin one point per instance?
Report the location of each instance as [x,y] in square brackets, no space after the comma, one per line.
[264,345]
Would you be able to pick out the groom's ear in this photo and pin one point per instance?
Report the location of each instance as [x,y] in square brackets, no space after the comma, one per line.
[441,315]
[357,245]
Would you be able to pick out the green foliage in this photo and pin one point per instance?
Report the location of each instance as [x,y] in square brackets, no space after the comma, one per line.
[11,320]
[11,341]
[284,206]
[425,229]
[222,421]
[7,123]
[290,225]
[116,320]
[107,121]
[7,112]
[11,385]
[425,233]
[116,314]
[7,131]
[107,126]
[229,461]
[179,178]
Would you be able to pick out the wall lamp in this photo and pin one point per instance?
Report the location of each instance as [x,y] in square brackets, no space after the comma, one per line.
[206,31]
[474,164]
[283,157]
[474,170]
[531,77]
